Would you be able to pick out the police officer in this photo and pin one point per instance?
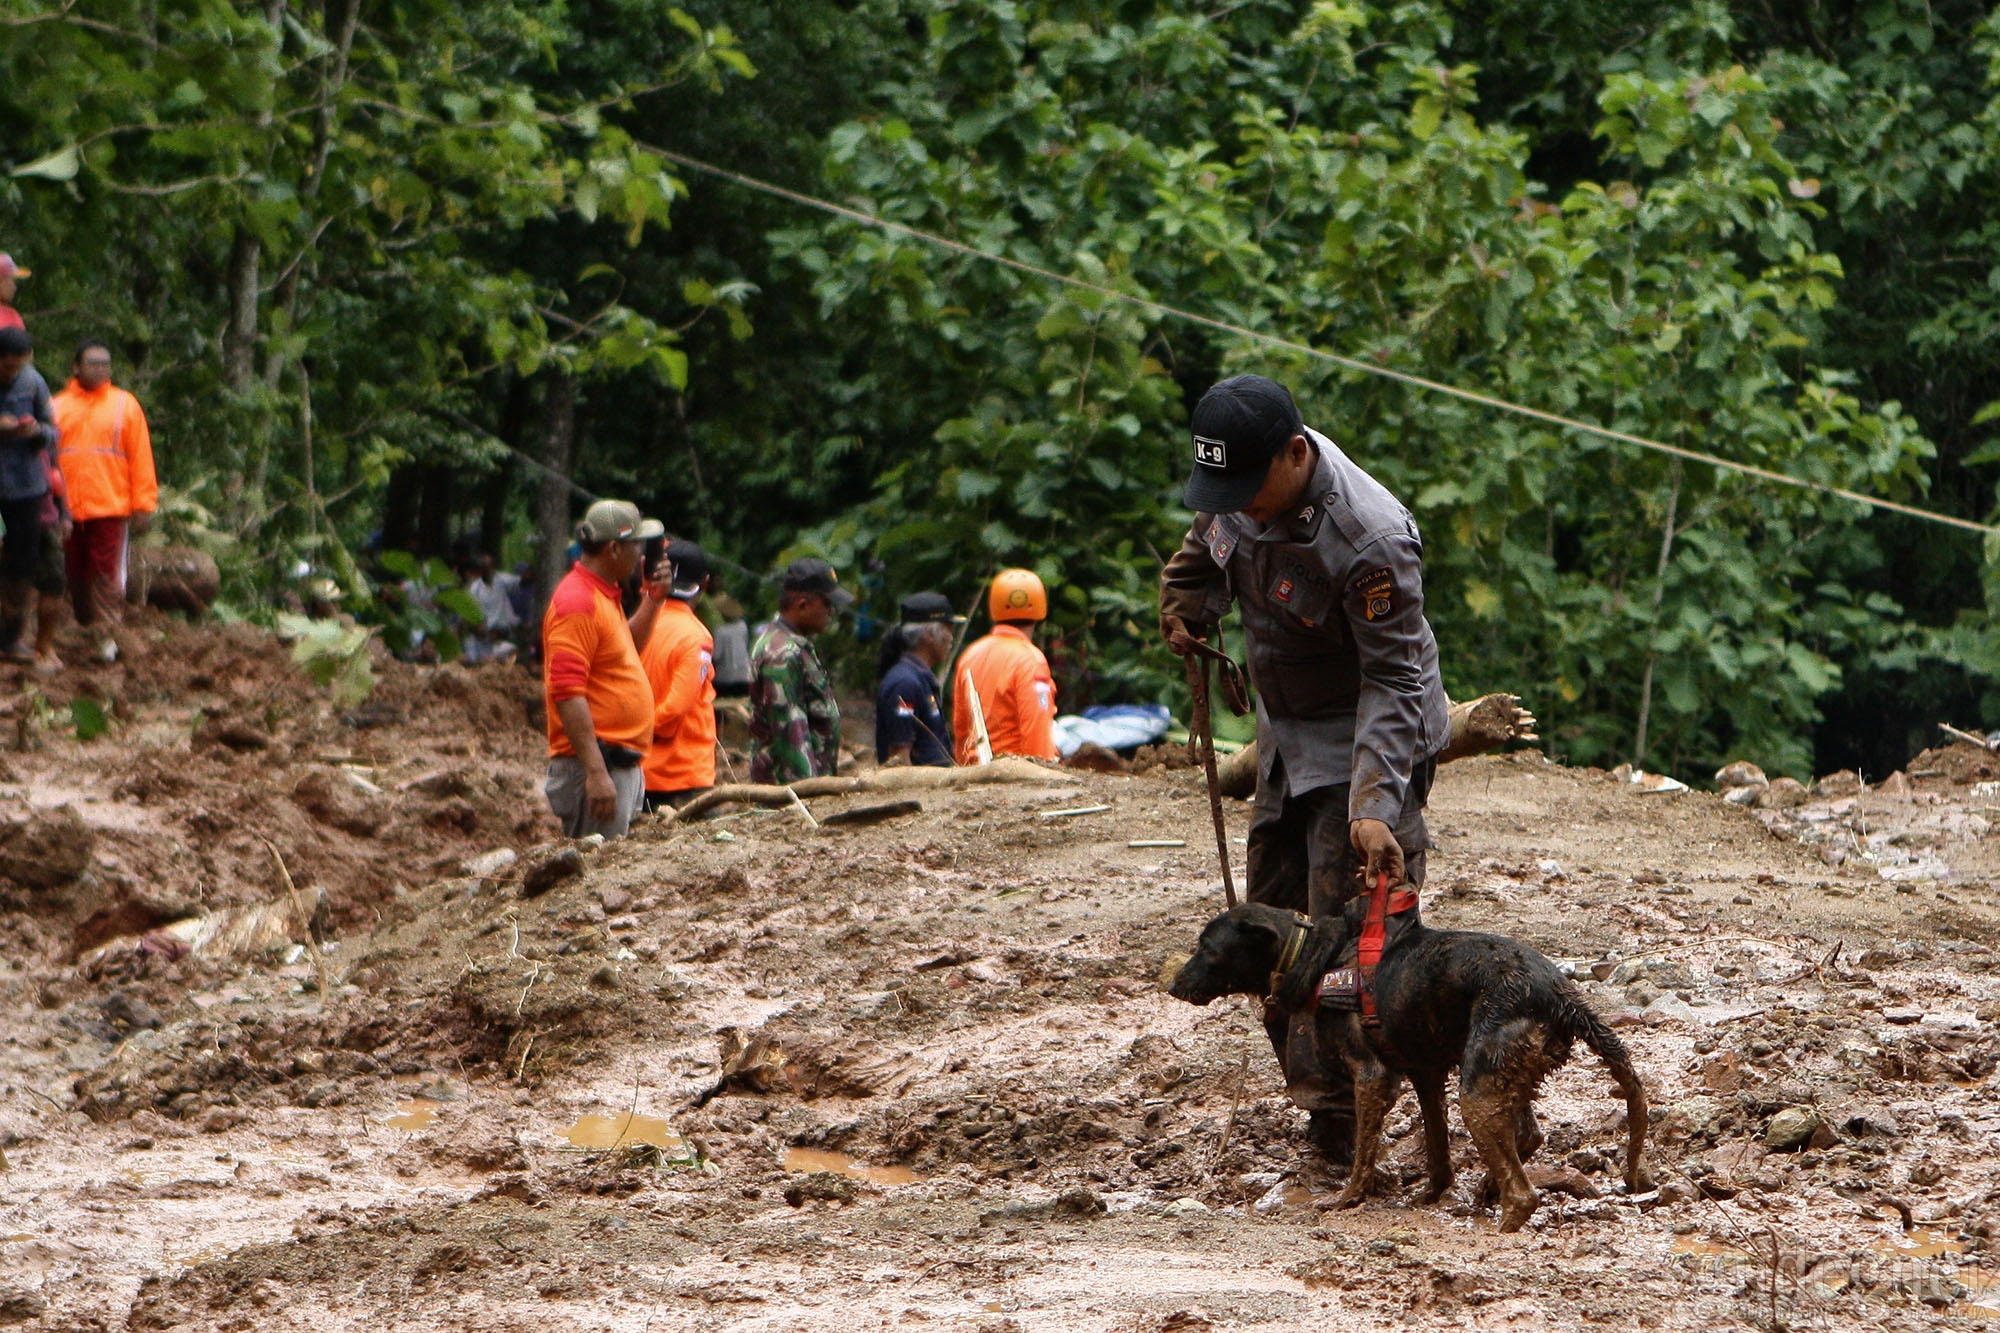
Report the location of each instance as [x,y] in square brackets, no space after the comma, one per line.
[909,725]
[1327,567]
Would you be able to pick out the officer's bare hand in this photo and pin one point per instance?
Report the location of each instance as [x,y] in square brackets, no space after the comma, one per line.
[601,795]
[1180,634]
[1380,852]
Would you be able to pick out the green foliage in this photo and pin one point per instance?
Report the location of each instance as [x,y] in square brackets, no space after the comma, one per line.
[348,266]
[89,718]
[334,654]
[1379,215]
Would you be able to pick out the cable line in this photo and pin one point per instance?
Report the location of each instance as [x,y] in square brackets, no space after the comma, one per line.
[1334,358]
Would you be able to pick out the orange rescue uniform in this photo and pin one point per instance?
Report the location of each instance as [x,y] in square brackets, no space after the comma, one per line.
[587,653]
[106,453]
[679,658]
[1016,693]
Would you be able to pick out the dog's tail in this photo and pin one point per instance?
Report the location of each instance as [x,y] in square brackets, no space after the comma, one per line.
[1597,1035]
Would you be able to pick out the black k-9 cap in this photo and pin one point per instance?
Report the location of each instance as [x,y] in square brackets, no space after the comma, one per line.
[1239,426]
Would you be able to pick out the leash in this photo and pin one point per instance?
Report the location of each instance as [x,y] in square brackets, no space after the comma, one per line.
[1374,929]
[1202,733]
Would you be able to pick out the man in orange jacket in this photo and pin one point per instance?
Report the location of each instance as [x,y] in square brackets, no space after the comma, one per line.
[599,703]
[1016,695]
[107,465]
[679,659]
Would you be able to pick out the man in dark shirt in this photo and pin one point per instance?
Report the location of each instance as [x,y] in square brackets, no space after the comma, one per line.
[909,724]
[1327,568]
[27,437]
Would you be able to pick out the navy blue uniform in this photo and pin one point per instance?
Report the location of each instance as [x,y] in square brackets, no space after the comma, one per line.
[907,713]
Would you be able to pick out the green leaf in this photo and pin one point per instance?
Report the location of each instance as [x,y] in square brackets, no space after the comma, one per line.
[60,165]
[88,716]
[1426,114]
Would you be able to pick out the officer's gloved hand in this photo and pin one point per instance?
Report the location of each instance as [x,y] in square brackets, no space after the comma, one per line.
[1179,633]
[1380,852]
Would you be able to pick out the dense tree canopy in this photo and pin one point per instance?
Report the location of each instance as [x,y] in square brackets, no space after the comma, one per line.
[408,267]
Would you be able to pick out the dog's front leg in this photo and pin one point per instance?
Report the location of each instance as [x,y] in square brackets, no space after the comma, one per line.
[1437,1133]
[1375,1089]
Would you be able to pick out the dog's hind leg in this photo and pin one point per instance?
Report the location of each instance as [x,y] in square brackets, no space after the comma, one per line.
[1527,1133]
[1375,1089]
[1437,1133]
[1491,1111]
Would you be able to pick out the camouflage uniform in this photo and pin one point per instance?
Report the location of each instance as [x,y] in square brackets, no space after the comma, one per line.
[794,718]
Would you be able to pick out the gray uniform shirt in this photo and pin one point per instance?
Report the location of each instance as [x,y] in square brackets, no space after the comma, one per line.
[22,473]
[1345,665]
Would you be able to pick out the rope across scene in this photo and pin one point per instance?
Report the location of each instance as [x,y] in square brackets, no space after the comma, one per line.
[1333,358]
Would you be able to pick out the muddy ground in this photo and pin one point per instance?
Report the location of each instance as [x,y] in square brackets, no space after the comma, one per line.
[952,1092]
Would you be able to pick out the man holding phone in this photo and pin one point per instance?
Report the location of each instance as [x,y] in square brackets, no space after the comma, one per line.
[600,704]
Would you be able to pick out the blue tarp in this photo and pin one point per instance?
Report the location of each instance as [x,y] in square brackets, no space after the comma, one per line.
[1120,727]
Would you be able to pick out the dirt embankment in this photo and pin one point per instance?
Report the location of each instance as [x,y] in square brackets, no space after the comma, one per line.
[751,1074]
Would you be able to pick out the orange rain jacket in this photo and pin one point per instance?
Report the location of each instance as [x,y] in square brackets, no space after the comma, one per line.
[1016,693]
[106,453]
[587,651]
[679,658]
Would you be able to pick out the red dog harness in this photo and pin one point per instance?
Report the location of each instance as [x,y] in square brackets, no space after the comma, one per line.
[1357,983]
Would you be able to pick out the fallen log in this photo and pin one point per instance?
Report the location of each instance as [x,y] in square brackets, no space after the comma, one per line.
[1483,724]
[1007,769]
[173,578]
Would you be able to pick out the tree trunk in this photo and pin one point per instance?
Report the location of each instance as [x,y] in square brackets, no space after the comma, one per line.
[239,336]
[558,457]
[1659,597]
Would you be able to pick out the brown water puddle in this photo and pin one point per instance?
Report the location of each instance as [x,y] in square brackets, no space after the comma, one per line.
[624,1129]
[1918,1244]
[414,1114]
[818,1159]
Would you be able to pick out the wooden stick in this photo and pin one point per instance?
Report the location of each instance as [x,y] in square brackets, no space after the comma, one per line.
[305,924]
[1970,737]
[800,806]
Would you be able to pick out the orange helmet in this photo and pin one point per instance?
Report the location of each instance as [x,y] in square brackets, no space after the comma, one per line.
[1017,594]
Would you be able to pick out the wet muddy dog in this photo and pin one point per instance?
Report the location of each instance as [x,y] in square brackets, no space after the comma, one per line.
[1491,1007]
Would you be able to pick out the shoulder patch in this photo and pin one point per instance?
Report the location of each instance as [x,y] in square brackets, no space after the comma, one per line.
[1377,592]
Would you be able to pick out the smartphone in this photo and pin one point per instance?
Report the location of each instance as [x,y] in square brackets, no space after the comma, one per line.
[656,548]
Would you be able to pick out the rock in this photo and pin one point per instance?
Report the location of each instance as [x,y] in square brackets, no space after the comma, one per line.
[549,867]
[614,900]
[1742,773]
[1743,795]
[1080,1202]
[331,798]
[1697,1115]
[45,849]
[327,1093]
[1896,784]
[1791,1129]
[1642,993]
[1627,972]
[1903,1017]
[20,1304]
[1835,785]
[125,1010]
[1669,1008]
[829,1185]
[231,733]
[1185,1207]
[491,863]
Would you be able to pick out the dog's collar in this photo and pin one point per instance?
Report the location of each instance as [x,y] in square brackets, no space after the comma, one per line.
[1288,956]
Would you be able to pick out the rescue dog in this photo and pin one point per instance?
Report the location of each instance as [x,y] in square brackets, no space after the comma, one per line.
[1491,1007]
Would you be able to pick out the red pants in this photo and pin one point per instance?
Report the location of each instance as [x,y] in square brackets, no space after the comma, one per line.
[95,558]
